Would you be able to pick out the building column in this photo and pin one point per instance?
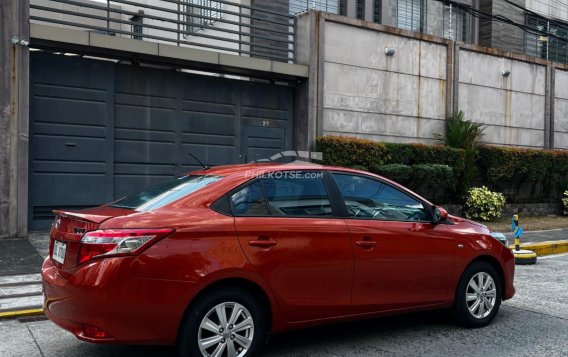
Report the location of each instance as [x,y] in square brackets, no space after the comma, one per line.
[549,107]
[14,117]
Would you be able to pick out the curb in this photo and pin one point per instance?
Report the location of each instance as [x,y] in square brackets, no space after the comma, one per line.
[20,313]
[546,248]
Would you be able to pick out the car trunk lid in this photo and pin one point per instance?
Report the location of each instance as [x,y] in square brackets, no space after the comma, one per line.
[68,229]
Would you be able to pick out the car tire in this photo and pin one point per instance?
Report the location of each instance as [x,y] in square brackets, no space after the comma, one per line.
[475,306]
[213,312]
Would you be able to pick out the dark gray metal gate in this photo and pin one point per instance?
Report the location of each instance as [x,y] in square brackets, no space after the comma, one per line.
[100,130]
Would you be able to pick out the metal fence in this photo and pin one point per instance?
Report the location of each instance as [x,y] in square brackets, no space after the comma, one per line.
[225,26]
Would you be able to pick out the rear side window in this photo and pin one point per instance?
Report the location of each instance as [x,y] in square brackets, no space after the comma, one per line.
[302,195]
[164,193]
[249,201]
[286,193]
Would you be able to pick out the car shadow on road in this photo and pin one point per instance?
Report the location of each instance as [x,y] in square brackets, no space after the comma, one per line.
[349,333]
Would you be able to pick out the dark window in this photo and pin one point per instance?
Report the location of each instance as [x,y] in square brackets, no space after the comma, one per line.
[201,13]
[297,193]
[360,9]
[249,201]
[343,7]
[553,48]
[410,15]
[377,11]
[372,199]
[297,6]
[137,21]
[456,23]
[164,193]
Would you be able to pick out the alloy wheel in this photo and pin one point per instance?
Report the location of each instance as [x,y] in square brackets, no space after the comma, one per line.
[227,330]
[480,295]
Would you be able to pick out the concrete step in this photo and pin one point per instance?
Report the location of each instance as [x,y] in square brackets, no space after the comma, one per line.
[20,292]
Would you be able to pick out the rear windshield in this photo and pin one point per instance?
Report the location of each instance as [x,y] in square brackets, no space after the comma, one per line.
[164,193]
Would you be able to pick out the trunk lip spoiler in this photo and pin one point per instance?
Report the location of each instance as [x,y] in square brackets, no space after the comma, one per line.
[89,217]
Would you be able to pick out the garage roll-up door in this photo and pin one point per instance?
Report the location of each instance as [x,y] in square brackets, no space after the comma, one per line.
[100,130]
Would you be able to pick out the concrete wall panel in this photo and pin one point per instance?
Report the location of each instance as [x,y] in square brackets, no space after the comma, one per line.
[561,110]
[387,98]
[486,70]
[348,122]
[366,48]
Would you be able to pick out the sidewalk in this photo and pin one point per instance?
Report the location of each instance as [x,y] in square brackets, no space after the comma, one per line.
[20,278]
[21,259]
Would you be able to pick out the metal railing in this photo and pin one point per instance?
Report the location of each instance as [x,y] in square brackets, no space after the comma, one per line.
[223,25]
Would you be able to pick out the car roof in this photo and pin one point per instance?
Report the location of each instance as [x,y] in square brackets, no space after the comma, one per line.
[227,170]
[254,169]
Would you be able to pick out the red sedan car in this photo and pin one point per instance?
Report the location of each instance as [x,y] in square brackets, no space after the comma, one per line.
[216,259]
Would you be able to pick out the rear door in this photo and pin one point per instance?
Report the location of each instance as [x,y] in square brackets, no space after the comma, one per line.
[288,230]
[402,260]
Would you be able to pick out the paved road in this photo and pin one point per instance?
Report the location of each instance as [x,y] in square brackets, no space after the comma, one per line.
[533,323]
[541,236]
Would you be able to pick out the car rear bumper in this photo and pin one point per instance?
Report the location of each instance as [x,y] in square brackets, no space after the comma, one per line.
[105,295]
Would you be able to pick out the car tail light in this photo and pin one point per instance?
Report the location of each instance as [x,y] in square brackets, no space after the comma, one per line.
[118,242]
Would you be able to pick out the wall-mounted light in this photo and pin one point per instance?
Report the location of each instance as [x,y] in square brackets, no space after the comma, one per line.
[505,73]
[389,51]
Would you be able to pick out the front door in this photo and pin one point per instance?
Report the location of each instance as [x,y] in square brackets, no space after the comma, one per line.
[401,258]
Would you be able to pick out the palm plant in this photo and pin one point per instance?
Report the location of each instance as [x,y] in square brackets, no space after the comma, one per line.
[462,134]
[466,135]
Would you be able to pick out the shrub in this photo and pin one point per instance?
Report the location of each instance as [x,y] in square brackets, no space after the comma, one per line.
[396,172]
[350,152]
[433,181]
[483,204]
[565,200]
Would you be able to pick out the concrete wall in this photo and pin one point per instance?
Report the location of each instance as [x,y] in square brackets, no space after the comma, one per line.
[361,92]
[512,107]
[561,109]
[368,94]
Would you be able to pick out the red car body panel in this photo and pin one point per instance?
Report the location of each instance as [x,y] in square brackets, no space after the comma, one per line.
[311,271]
[411,264]
[310,266]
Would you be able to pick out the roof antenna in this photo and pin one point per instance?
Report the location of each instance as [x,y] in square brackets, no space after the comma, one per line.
[205,167]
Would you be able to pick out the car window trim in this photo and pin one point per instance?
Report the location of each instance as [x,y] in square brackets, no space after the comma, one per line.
[346,212]
[335,206]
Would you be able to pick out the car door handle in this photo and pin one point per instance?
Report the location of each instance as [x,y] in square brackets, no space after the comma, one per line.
[264,243]
[366,243]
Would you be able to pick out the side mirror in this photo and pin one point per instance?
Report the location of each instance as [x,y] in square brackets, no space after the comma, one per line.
[439,214]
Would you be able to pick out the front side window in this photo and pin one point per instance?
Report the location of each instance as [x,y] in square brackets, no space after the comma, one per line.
[164,193]
[410,15]
[371,199]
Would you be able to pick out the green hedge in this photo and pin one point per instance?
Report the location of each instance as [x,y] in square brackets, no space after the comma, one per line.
[437,182]
[532,175]
[351,152]
[524,175]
